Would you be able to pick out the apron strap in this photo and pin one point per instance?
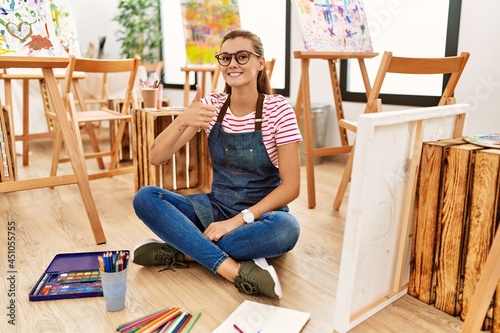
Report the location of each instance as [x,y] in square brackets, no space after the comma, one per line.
[258,112]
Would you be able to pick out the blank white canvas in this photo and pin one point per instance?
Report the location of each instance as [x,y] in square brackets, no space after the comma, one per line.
[382,161]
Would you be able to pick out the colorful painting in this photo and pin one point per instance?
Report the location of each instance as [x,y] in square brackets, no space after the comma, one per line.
[205,22]
[65,26]
[37,28]
[334,25]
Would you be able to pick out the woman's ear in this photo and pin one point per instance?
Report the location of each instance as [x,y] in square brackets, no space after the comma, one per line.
[262,64]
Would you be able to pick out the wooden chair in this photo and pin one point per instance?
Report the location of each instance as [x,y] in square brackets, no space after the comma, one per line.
[157,66]
[215,78]
[118,120]
[453,65]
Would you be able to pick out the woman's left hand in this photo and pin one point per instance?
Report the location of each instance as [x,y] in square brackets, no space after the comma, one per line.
[216,230]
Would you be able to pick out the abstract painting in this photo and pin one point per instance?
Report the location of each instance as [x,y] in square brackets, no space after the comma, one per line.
[37,28]
[205,22]
[333,25]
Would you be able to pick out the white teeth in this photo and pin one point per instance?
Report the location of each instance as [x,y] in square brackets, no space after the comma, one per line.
[234,74]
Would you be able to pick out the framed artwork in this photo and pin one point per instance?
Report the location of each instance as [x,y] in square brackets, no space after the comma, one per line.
[272,25]
[396,27]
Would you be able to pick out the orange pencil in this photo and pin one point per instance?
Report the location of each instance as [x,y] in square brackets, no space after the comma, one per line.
[101,263]
[154,325]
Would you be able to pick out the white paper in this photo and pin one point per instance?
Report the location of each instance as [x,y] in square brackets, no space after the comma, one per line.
[253,317]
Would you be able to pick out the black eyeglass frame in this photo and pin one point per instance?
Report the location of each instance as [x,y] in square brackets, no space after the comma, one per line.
[234,55]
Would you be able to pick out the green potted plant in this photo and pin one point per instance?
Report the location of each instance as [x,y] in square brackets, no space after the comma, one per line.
[140,29]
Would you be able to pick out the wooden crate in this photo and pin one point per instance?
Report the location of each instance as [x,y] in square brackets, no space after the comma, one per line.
[188,171]
[456,215]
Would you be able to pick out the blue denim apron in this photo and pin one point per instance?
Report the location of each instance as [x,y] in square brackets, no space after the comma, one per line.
[243,173]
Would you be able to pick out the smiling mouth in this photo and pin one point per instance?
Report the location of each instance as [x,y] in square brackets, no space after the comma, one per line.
[234,74]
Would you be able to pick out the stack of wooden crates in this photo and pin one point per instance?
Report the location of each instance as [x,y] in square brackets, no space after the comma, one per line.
[455,219]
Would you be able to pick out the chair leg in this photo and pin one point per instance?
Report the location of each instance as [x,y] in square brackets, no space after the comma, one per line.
[117,144]
[346,177]
[56,151]
[94,143]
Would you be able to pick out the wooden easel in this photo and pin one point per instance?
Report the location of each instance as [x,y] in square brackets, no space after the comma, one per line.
[25,78]
[47,64]
[304,103]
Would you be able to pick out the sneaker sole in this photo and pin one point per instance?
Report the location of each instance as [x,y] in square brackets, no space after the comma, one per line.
[144,242]
[262,263]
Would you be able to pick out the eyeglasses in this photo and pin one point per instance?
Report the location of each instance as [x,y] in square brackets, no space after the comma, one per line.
[241,57]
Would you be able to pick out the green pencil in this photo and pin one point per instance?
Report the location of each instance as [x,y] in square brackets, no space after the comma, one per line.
[188,329]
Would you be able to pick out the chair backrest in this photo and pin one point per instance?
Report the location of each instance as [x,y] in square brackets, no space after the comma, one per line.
[157,66]
[215,79]
[104,66]
[453,65]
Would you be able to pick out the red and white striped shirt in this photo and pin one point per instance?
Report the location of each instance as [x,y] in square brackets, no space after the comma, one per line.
[279,125]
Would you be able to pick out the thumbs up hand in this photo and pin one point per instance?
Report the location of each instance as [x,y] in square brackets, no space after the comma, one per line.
[198,114]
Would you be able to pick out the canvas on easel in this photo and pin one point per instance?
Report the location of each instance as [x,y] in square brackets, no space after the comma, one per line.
[333,25]
[42,28]
[205,22]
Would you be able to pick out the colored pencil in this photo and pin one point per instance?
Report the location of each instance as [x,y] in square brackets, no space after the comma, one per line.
[157,323]
[110,262]
[195,319]
[183,323]
[237,328]
[168,320]
[175,324]
[136,322]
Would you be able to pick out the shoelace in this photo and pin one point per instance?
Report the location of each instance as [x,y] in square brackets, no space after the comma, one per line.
[167,254]
[248,285]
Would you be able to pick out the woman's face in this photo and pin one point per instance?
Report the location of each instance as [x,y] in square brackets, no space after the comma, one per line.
[240,75]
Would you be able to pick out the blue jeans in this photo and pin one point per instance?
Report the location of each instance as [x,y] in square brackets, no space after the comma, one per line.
[172,218]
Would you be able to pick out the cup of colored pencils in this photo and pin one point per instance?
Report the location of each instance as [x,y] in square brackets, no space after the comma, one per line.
[113,270]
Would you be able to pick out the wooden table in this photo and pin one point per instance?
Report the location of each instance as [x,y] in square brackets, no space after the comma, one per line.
[196,69]
[79,175]
[304,104]
[188,171]
[25,137]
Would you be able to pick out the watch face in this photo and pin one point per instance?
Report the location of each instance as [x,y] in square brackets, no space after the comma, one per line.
[248,216]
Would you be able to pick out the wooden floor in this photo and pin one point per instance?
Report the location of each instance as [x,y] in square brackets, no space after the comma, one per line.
[52,221]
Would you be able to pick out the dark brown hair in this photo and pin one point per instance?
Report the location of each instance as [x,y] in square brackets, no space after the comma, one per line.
[263,84]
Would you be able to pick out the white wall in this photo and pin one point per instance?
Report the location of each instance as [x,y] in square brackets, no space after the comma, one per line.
[94,19]
[479,85]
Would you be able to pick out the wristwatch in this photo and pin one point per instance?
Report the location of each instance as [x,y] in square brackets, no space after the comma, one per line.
[248,216]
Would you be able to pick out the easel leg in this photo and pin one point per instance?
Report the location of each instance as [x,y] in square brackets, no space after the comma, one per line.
[26,121]
[308,133]
[77,160]
[337,98]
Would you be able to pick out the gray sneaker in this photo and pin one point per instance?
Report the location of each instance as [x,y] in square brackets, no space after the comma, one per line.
[258,277]
[152,252]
